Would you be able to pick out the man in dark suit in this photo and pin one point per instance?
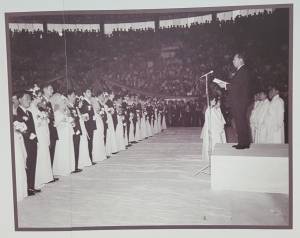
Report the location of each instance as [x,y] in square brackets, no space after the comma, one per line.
[30,139]
[126,112]
[76,127]
[47,94]
[110,104]
[103,113]
[90,123]
[239,92]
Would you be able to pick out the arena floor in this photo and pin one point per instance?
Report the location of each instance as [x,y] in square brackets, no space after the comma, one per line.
[154,182]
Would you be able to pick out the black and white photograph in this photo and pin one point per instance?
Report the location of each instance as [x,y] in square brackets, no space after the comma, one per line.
[167,118]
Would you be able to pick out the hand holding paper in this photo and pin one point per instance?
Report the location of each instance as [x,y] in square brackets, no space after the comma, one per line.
[221,83]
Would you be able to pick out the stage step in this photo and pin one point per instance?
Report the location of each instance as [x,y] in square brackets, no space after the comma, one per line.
[262,168]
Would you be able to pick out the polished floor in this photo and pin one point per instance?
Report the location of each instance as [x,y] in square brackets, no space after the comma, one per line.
[154,182]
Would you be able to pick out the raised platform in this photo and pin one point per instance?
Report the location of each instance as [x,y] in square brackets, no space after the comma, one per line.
[262,168]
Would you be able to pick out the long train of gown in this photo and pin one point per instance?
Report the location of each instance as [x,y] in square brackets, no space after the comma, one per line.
[120,135]
[20,166]
[43,170]
[99,153]
[164,125]
[216,125]
[64,157]
[111,140]
[148,128]
[159,123]
[84,156]
[137,135]
[143,128]
[125,136]
[131,131]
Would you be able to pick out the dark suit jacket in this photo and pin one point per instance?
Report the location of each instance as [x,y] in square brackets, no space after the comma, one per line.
[110,104]
[239,90]
[28,120]
[52,128]
[90,124]
[104,117]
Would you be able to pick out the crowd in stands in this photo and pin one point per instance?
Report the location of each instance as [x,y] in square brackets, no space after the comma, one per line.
[169,61]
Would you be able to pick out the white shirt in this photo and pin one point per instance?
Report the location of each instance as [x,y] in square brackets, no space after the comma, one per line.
[24,109]
[87,100]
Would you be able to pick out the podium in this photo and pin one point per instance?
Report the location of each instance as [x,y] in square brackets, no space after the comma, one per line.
[261,168]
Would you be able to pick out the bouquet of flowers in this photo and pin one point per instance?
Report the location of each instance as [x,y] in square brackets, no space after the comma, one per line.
[79,100]
[20,126]
[43,115]
[85,116]
[111,110]
[102,111]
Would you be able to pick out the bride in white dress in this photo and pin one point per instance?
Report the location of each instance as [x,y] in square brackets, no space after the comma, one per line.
[137,135]
[148,124]
[120,131]
[20,156]
[99,153]
[143,126]
[43,171]
[213,130]
[164,125]
[131,128]
[64,158]
[84,156]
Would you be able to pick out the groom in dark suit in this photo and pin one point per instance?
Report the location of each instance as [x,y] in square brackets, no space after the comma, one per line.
[47,94]
[30,139]
[76,126]
[90,123]
[239,92]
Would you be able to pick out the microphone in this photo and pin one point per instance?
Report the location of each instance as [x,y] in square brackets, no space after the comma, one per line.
[204,75]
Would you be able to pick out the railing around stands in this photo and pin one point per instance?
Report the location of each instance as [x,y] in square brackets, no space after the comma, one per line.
[142,92]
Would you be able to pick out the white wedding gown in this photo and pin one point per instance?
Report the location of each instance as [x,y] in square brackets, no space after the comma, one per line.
[125,136]
[159,123]
[131,130]
[215,120]
[120,134]
[99,153]
[253,120]
[20,166]
[64,157]
[148,128]
[84,156]
[137,136]
[164,125]
[260,136]
[275,121]
[43,171]
[111,139]
[143,127]
[152,124]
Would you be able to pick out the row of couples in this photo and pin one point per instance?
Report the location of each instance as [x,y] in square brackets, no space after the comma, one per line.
[56,135]
[266,120]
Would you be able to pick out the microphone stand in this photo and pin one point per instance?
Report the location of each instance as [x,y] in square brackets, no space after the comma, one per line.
[208,166]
